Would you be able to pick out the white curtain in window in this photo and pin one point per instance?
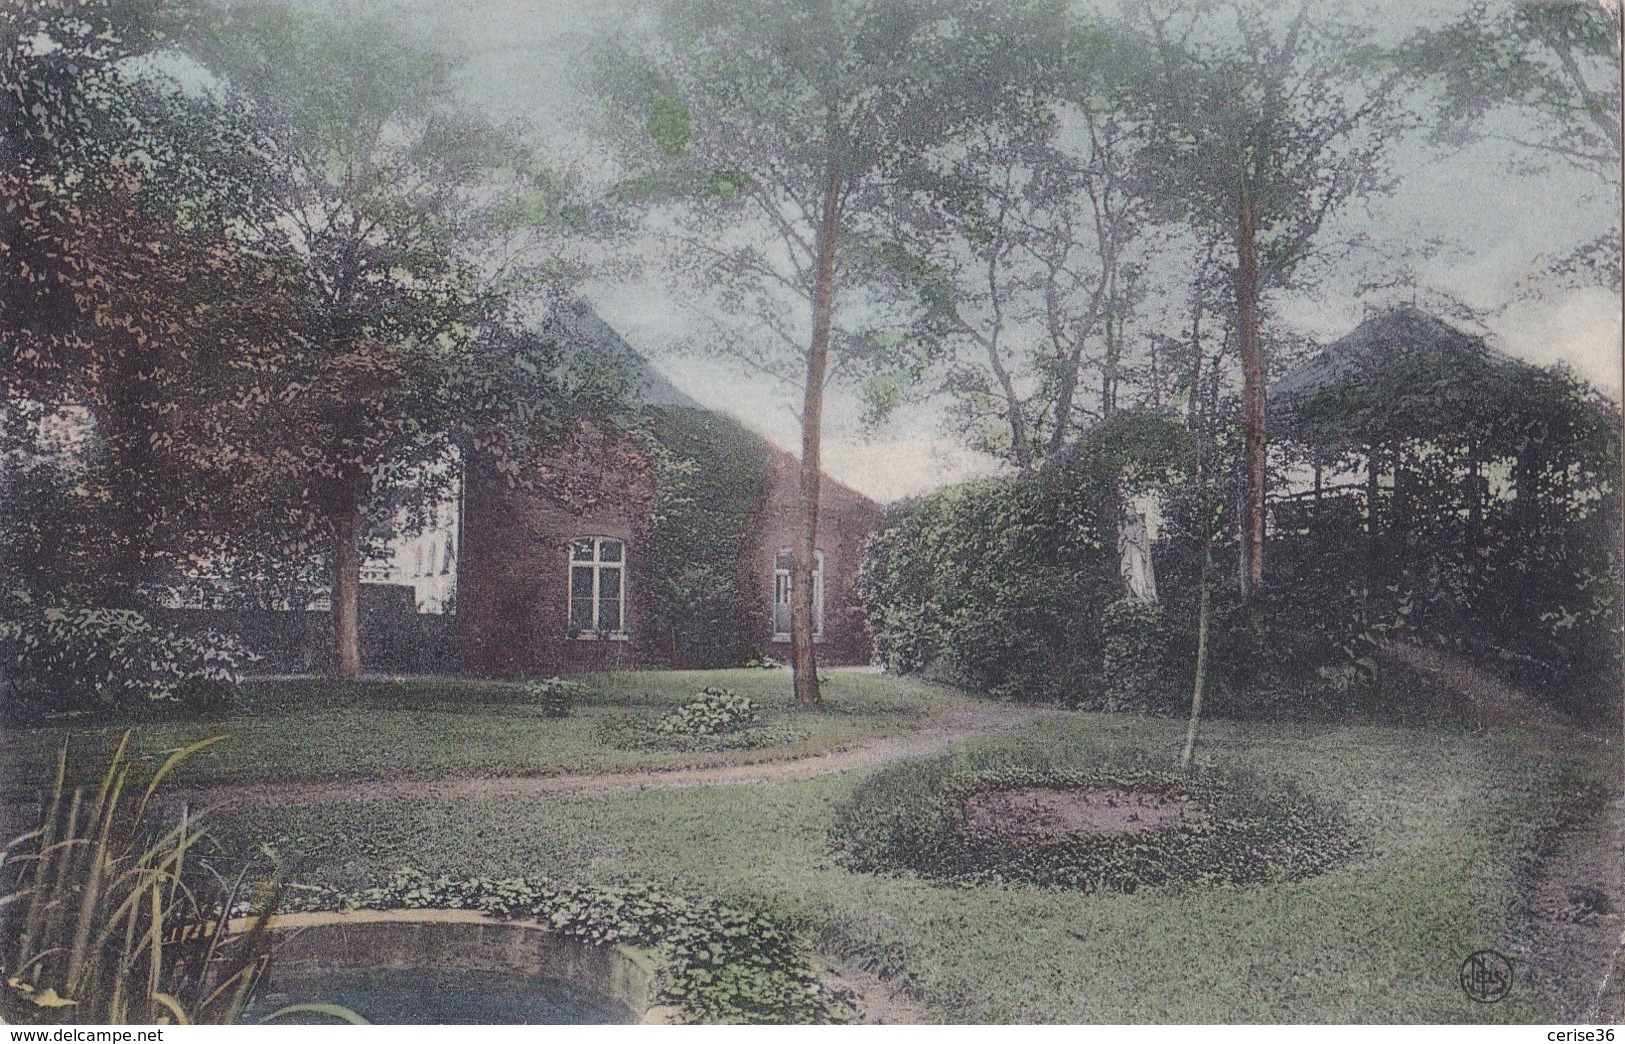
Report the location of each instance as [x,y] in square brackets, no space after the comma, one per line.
[783,568]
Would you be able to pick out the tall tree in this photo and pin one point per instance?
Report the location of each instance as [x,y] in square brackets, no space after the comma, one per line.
[1262,126]
[1544,77]
[385,191]
[123,277]
[1025,245]
[782,125]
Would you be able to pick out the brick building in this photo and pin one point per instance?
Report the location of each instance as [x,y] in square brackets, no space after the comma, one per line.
[563,583]
[846,520]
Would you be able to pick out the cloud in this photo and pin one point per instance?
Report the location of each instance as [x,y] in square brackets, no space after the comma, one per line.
[903,467]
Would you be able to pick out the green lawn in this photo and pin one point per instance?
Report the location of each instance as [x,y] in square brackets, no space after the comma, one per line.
[418,728]
[1448,820]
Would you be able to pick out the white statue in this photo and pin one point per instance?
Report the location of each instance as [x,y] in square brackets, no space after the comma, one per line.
[1134,552]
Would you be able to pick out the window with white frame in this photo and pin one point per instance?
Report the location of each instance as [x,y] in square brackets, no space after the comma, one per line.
[597,587]
[783,568]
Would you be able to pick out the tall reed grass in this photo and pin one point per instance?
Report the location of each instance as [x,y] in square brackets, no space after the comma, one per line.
[111,913]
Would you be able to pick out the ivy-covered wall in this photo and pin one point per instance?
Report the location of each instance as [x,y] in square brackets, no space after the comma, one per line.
[710,486]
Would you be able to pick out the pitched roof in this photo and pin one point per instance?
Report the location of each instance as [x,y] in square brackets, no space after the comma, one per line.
[579,324]
[1405,374]
[1403,339]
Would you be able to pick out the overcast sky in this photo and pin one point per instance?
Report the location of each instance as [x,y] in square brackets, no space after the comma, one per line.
[518,59]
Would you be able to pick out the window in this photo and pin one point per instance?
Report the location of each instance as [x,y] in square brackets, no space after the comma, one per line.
[597,587]
[783,566]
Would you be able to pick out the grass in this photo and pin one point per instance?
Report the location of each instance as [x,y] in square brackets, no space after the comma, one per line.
[1449,822]
[315,729]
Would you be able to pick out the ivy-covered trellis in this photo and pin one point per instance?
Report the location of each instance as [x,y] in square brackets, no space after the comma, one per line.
[1475,494]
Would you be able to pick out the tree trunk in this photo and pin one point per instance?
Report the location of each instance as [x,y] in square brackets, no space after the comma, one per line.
[1252,393]
[1111,365]
[128,425]
[1475,492]
[1203,611]
[1373,530]
[346,591]
[1156,375]
[804,658]
[1193,407]
[1399,513]
[1526,482]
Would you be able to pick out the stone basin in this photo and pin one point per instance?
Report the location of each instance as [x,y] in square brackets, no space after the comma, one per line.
[454,966]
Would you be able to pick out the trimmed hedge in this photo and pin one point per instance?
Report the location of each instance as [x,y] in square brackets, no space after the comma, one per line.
[986,586]
[1004,586]
[909,818]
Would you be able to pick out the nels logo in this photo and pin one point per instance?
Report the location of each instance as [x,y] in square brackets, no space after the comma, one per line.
[1486,976]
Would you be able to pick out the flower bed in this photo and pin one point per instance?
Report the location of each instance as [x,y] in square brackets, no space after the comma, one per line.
[1109,829]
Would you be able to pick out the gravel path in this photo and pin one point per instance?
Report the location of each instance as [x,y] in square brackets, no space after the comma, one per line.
[935,734]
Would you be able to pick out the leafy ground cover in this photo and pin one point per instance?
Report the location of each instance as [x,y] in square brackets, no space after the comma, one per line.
[312,729]
[1452,825]
[716,962]
[995,819]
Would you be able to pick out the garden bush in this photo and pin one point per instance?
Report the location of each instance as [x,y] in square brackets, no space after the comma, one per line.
[71,658]
[1003,586]
[555,697]
[1011,587]
[911,818]
[987,586]
[720,962]
[716,720]
[1136,658]
[712,712]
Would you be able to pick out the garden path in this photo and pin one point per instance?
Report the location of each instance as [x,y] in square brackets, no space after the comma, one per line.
[1573,944]
[935,734]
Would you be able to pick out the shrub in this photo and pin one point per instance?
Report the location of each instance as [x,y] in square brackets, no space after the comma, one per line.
[712,712]
[1314,649]
[1001,585]
[993,586]
[83,658]
[1135,655]
[554,697]
[909,817]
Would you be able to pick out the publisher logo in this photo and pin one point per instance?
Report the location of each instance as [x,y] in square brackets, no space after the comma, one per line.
[1486,976]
